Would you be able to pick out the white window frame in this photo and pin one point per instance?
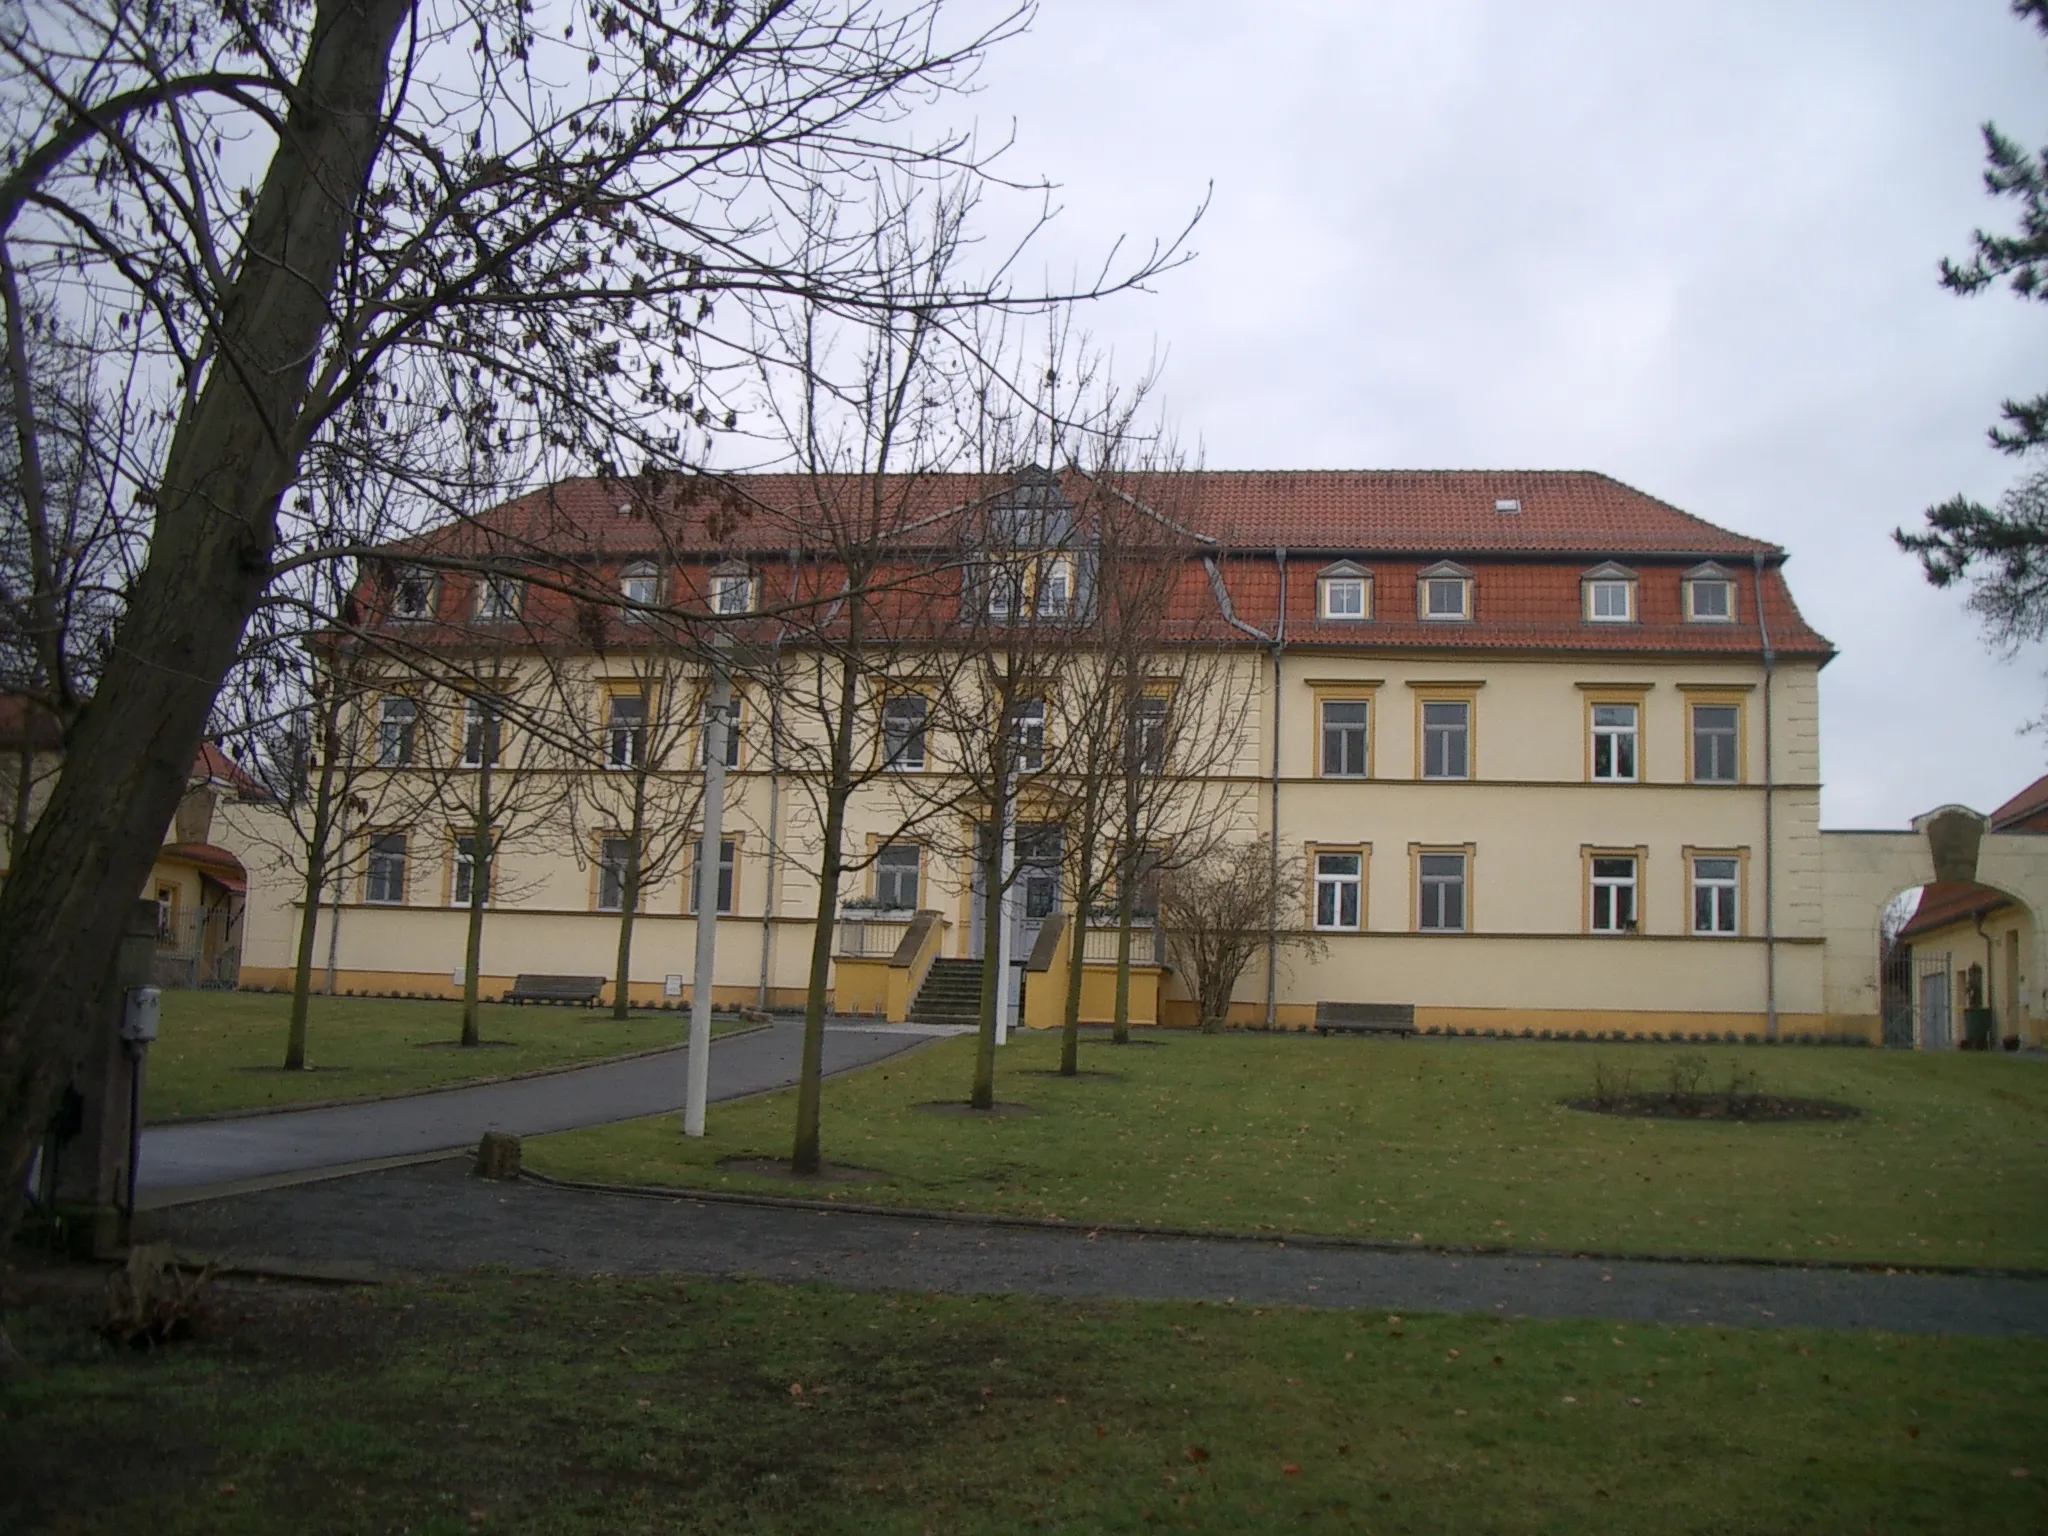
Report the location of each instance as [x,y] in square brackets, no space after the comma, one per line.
[1029,727]
[732,735]
[1732,736]
[1614,895]
[900,761]
[413,579]
[499,596]
[1443,880]
[462,870]
[1726,896]
[732,593]
[1353,590]
[1056,575]
[476,719]
[613,868]
[1615,736]
[392,868]
[1600,607]
[1151,725]
[1345,732]
[1338,888]
[625,744]
[1461,733]
[1432,585]
[890,874]
[398,722]
[640,584]
[1693,586]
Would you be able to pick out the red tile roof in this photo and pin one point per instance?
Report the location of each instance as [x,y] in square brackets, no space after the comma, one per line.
[1951,901]
[211,860]
[2026,811]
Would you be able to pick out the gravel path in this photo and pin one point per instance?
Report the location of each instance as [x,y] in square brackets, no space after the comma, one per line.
[435,1217]
[176,1157]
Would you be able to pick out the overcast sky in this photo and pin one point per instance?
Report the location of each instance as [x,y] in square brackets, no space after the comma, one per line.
[1691,247]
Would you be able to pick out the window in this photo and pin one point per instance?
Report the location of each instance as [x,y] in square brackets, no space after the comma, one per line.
[1445,592]
[1446,738]
[1344,738]
[1716,732]
[728,850]
[732,591]
[1151,718]
[1339,885]
[396,720]
[412,595]
[614,856]
[1709,595]
[465,872]
[1614,742]
[641,585]
[1614,894]
[1344,591]
[386,883]
[497,596]
[625,730]
[1055,595]
[1610,602]
[1444,598]
[1442,895]
[1716,884]
[166,916]
[1030,728]
[481,726]
[1003,590]
[732,734]
[896,872]
[903,719]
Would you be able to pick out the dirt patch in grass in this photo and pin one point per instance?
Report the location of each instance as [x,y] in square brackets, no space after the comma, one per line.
[1055,1072]
[1715,1106]
[778,1168]
[457,1045]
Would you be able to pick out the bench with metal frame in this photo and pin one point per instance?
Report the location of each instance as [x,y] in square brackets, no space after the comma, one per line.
[1365,1018]
[557,989]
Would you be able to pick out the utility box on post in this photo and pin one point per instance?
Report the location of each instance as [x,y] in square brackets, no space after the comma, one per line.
[88,1173]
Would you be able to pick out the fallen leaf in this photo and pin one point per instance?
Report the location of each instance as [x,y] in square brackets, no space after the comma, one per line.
[2019,1472]
[796,1389]
[1197,1454]
[1289,1469]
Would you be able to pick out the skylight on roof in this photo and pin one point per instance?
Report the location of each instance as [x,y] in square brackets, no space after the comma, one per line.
[1507,504]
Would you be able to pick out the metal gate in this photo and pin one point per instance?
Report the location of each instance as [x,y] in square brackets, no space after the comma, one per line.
[1931,995]
[1915,999]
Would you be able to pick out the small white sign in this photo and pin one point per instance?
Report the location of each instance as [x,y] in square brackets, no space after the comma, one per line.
[671,986]
[456,976]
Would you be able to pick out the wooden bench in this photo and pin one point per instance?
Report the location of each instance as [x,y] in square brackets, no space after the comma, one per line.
[1366,1018]
[557,989]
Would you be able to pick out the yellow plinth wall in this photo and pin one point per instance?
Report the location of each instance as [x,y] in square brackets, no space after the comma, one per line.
[864,987]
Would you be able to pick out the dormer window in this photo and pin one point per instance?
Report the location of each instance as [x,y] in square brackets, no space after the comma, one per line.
[498,596]
[640,584]
[412,594]
[1344,592]
[1444,593]
[1609,594]
[732,590]
[1055,595]
[1709,595]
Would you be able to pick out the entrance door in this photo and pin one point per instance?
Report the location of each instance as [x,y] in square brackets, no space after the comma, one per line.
[1935,1033]
[1034,893]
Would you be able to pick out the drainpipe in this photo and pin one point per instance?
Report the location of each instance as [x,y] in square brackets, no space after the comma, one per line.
[774,824]
[1770,809]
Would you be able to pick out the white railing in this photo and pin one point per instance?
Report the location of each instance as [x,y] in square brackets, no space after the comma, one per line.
[1100,946]
[872,937]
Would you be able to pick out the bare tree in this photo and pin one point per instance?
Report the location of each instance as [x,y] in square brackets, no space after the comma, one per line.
[279,224]
[1215,911]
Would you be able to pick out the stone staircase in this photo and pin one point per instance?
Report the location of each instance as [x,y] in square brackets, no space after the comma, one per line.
[951,994]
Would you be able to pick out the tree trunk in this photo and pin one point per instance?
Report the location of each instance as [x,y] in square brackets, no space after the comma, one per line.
[629,898]
[316,882]
[481,872]
[804,1157]
[1124,896]
[232,455]
[24,789]
[1084,893]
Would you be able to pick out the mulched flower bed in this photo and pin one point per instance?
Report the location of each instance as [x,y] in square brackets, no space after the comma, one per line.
[1714,1106]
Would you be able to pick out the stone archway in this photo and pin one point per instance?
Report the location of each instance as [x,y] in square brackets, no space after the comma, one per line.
[1863,871]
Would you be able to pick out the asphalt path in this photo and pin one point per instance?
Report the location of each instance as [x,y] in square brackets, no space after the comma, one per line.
[221,1152]
[436,1218]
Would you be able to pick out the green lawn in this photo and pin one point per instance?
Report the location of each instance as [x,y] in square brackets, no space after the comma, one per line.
[217,1050]
[1441,1141]
[546,1405]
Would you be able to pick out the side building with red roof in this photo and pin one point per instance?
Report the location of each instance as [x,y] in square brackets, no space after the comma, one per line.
[1543,747]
